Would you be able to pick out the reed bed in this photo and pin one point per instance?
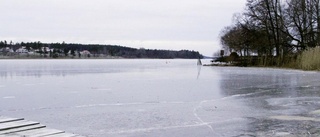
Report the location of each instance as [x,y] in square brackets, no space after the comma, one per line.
[310,59]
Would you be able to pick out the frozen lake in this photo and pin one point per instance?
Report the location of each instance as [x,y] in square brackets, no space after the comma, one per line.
[160,98]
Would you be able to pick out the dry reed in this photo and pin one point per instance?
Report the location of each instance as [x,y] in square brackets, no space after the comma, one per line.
[310,59]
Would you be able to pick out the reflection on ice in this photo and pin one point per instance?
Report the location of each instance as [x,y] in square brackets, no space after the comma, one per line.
[38,68]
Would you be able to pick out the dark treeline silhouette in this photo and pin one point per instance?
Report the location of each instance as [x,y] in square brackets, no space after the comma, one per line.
[274,31]
[57,50]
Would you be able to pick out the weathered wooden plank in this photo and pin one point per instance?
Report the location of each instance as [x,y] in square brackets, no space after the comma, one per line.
[39,132]
[18,127]
[22,129]
[16,124]
[6,119]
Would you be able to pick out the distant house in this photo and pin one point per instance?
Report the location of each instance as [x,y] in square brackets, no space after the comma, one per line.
[7,50]
[46,49]
[85,53]
[22,50]
[43,50]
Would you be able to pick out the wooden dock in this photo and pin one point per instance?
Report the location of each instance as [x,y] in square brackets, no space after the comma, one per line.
[18,127]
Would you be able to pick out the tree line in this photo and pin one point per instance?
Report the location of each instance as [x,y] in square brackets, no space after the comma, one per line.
[275,31]
[72,49]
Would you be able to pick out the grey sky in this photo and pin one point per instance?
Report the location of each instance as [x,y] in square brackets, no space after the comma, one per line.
[160,24]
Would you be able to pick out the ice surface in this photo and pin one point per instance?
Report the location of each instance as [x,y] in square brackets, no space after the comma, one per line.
[158,98]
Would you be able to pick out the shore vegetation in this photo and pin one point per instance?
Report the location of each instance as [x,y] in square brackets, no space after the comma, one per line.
[275,33]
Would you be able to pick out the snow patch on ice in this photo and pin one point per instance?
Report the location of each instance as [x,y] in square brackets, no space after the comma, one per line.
[9,97]
[244,95]
[128,104]
[141,110]
[74,92]
[317,112]
[103,89]
[29,84]
[306,86]
[294,118]
[281,134]
[102,105]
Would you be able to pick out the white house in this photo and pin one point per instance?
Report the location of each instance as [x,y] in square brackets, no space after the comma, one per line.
[22,50]
[85,52]
[7,49]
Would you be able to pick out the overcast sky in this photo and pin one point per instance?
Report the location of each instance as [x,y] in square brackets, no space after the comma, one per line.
[152,24]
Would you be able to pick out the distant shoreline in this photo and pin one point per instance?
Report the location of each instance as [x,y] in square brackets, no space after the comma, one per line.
[60,58]
[76,58]
[32,50]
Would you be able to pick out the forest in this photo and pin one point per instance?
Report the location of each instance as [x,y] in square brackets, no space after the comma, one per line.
[72,50]
[276,33]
